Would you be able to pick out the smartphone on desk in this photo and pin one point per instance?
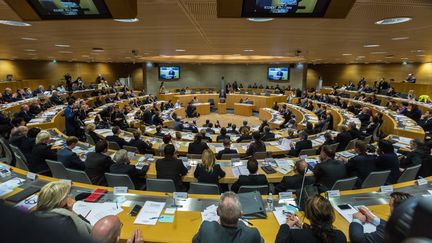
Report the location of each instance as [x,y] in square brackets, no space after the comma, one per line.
[135,210]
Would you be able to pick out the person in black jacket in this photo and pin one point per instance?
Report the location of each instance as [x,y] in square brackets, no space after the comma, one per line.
[197,146]
[418,154]
[136,142]
[253,179]
[25,113]
[329,170]
[223,135]
[56,99]
[245,135]
[91,132]
[40,152]
[354,132]
[170,167]
[159,132]
[304,143]
[356,230]
[208,171]
[294,182]
[268,135]
[116,137]
[69,158]
[122,166]
[387,160]
[343,138]
[362,164]
[257,145]
[97,163]
[227,149]
[320,213]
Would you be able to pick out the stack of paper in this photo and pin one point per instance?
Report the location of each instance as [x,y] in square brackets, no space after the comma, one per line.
[240,170]
[284,165]
[210,214]
[348,215]
[93,212]
[150,213]
[10,185]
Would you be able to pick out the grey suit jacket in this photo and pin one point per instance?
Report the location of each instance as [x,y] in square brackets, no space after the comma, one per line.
[213,232]
[357,235]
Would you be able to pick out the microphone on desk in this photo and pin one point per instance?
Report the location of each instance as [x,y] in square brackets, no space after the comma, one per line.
[301,190]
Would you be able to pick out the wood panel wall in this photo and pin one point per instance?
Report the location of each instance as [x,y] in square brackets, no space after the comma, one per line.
[53,72]
[342,73]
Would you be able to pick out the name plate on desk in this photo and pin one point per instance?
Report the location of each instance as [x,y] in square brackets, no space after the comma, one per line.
[180,195]
[422,181]
[387,189]
[31,176]
[333,193]
[285,195]
[120,190]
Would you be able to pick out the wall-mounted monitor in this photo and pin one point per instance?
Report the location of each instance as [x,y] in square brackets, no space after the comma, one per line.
[169,72]
[284,8]
[278,73]
[70,9]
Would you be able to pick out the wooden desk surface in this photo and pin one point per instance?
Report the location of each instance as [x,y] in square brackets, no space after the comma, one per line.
[186,223]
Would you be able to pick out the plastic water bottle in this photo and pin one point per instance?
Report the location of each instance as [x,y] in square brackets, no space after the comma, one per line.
[270,201]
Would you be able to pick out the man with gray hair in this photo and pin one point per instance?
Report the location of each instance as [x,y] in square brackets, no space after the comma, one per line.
[304,143]
[228,229]
[108,229]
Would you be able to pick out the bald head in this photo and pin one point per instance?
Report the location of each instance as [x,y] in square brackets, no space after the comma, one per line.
[107,230]
[23,130]
[229,209]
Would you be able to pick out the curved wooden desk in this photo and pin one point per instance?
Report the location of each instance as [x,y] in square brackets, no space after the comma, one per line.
[186,222]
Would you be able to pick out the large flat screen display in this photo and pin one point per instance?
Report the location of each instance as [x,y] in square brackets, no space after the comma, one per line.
[278,73]
[169,72]
[284,8]
[70,9]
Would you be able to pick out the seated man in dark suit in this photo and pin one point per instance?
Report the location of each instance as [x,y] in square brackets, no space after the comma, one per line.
[122,166]
[233,129]
[245,125]
[228,229]
[227,149]
[253,179]
[304,143]
[257,145]
[209,129]
[197,146]
[25,113]
[68,158]
[294,182]
[115,137]
[362,164]
[172,168]
[97,163]
[159,132]
[356,230]
[56,99]
[223,135]
[204,136]
[354,132]
[343,138]
[268,135]
[136,142]
[329,170]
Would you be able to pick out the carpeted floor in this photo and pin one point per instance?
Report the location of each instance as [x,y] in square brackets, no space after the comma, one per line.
[224,119]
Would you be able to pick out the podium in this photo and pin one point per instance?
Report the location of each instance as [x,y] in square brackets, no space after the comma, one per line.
[242,109]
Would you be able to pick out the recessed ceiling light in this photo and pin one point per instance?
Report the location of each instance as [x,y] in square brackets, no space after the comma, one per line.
[404,58]
[390,56]
[31,54]
[371,45]
[127,20]
[248,50]
[400,38]
[421,55]
[378,52]
[62,45]
[30,50]
[417,51]
[65,52]
[347,54]
[180,50]
[360,56]
[396,20]
[28,38]
[96,49]
[14,23]
[260,20]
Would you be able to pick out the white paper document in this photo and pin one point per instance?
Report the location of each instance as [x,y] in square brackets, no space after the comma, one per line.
[210,214]
[348,215]
[240,170]
[95,211]
[150,212]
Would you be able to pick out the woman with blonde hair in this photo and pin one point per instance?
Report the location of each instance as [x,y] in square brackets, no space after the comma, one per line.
[208,171]
[320,213]
[42,151]
[55,204]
